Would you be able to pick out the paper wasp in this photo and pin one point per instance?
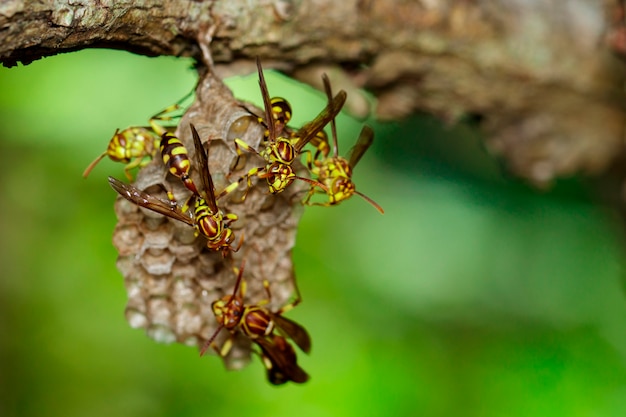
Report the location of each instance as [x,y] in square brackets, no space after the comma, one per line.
[259,323]
[281,111]
[136,145]
[281,151]
[208,219]
[335,172]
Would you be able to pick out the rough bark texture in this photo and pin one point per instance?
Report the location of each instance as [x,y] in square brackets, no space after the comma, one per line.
[545,77]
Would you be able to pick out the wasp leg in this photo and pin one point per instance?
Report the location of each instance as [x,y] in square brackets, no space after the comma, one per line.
[240,147]
[137,162]
[234,185]
[312,191]
[222,352]
[164,116]
[286,307]
[170,196]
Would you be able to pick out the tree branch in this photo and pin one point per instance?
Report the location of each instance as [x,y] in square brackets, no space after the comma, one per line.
[541,74]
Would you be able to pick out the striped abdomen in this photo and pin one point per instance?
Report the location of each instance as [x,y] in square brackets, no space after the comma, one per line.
[176,159]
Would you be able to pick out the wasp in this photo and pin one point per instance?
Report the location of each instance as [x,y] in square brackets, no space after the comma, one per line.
[335,172]
[258,324]
[208,220]
[135,146]
[280,151]
[281,111]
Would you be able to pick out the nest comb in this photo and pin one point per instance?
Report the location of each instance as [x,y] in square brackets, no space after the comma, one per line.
[170,276]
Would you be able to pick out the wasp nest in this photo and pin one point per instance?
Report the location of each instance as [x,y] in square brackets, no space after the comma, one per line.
[171,277]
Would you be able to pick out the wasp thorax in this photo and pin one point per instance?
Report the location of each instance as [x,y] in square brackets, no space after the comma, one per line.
[138,141]
[258,322]
[208,224]
[339,167]
[283,151]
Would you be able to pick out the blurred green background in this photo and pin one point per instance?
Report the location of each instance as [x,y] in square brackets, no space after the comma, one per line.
[472,296]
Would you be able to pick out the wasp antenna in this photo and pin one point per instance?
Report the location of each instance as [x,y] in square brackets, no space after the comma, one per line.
[239,246]
[372,202]
[209,342]
[93,164]
[313,182]
[239,278]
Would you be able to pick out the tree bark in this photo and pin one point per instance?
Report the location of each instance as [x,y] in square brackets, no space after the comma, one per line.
[544,76]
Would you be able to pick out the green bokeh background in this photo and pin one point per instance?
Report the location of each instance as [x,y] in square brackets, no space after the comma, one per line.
[472,296]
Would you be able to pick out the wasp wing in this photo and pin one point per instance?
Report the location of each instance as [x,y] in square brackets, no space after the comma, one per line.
[365,140]
[143,199]
[296,332]
[267,104]
[280,361]
[333,125]
[309,130]
[202,159]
